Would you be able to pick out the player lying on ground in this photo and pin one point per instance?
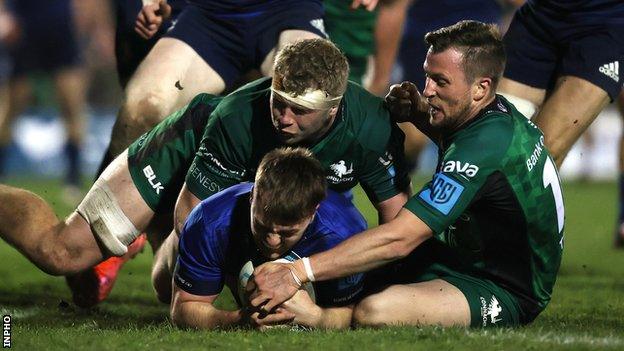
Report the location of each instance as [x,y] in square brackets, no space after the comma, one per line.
[284,214]
[483,240]
[209,146]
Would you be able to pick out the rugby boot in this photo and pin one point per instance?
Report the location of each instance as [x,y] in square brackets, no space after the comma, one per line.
[93,285]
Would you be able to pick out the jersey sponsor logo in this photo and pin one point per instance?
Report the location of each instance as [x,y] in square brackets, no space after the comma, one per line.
[151,178]
[531,162]
[463,168]
[442,194]
[490,311]
[204,180]
[319,24]
[216,166]
[611,70]
[340,168]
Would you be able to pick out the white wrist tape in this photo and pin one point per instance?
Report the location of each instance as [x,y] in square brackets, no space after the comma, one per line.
[108,222]
[312,99]
[308,269]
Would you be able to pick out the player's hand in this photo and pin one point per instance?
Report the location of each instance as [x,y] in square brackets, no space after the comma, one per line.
[273,283]
[405,102]
[368,4]
[151,17]
[261,321]
[306,312]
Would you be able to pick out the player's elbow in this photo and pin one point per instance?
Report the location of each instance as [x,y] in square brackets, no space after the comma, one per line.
[179,317]
[399,249]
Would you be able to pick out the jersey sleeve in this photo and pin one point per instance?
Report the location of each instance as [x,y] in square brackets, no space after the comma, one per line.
[333,230]
[200,260]
[384,172]
[219,162]
[462,172]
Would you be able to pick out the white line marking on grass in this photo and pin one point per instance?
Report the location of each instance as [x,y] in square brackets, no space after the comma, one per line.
[20,312]
[549,338]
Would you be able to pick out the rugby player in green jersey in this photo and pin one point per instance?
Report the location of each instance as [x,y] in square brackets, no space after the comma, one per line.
[210,145]
[481,243]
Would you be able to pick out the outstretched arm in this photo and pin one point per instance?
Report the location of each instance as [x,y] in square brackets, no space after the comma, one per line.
[365,251]
[193,311]
[308,314]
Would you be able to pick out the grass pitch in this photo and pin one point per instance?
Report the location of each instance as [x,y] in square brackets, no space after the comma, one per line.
[586,312]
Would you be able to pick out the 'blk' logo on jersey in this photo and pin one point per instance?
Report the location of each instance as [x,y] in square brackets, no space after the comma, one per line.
[442,193]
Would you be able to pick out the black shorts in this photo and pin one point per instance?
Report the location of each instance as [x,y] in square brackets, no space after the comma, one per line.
[45,46]
[540,48]
[233,44]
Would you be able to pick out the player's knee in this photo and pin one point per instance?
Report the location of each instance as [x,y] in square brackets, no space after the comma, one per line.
[146,108]
[370,312]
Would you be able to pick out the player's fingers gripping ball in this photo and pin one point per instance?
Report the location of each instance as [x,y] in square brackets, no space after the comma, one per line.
[246,285]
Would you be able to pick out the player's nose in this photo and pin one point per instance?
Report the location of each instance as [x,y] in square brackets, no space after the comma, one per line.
[273,240]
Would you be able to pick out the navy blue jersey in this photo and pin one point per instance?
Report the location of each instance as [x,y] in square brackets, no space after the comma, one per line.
[240,7]
[34,11]
[580,11]
[216,242]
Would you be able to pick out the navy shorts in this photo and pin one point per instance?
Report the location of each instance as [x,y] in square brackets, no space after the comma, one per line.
[233,44]
[5,65]
[541,48]
[47,44]
[426,16]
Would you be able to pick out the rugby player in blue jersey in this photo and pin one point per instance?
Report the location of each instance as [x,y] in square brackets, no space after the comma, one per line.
[285,213]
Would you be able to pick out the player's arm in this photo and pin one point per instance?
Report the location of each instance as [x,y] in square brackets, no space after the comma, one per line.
[388,209]
[370,249]
[388,30]
[195,311]
[384,176]
[309,314]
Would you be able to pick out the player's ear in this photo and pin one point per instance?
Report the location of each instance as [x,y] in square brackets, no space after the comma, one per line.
[482,87]
[333,111]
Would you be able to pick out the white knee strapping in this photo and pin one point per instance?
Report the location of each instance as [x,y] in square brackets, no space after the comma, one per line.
[526,107]
[108,222]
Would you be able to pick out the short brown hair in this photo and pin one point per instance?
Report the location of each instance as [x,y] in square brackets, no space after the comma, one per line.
[289,184]
[480,44]
[311,64]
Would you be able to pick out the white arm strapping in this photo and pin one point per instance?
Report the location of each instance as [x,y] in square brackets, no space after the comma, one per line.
[108,222]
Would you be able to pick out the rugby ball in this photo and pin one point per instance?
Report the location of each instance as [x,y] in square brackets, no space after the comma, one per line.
[247,271]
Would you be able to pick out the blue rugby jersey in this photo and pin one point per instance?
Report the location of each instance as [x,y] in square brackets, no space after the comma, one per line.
[216,242]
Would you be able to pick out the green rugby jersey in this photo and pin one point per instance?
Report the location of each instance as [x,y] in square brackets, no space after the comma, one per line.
[362,146]
[496,201]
